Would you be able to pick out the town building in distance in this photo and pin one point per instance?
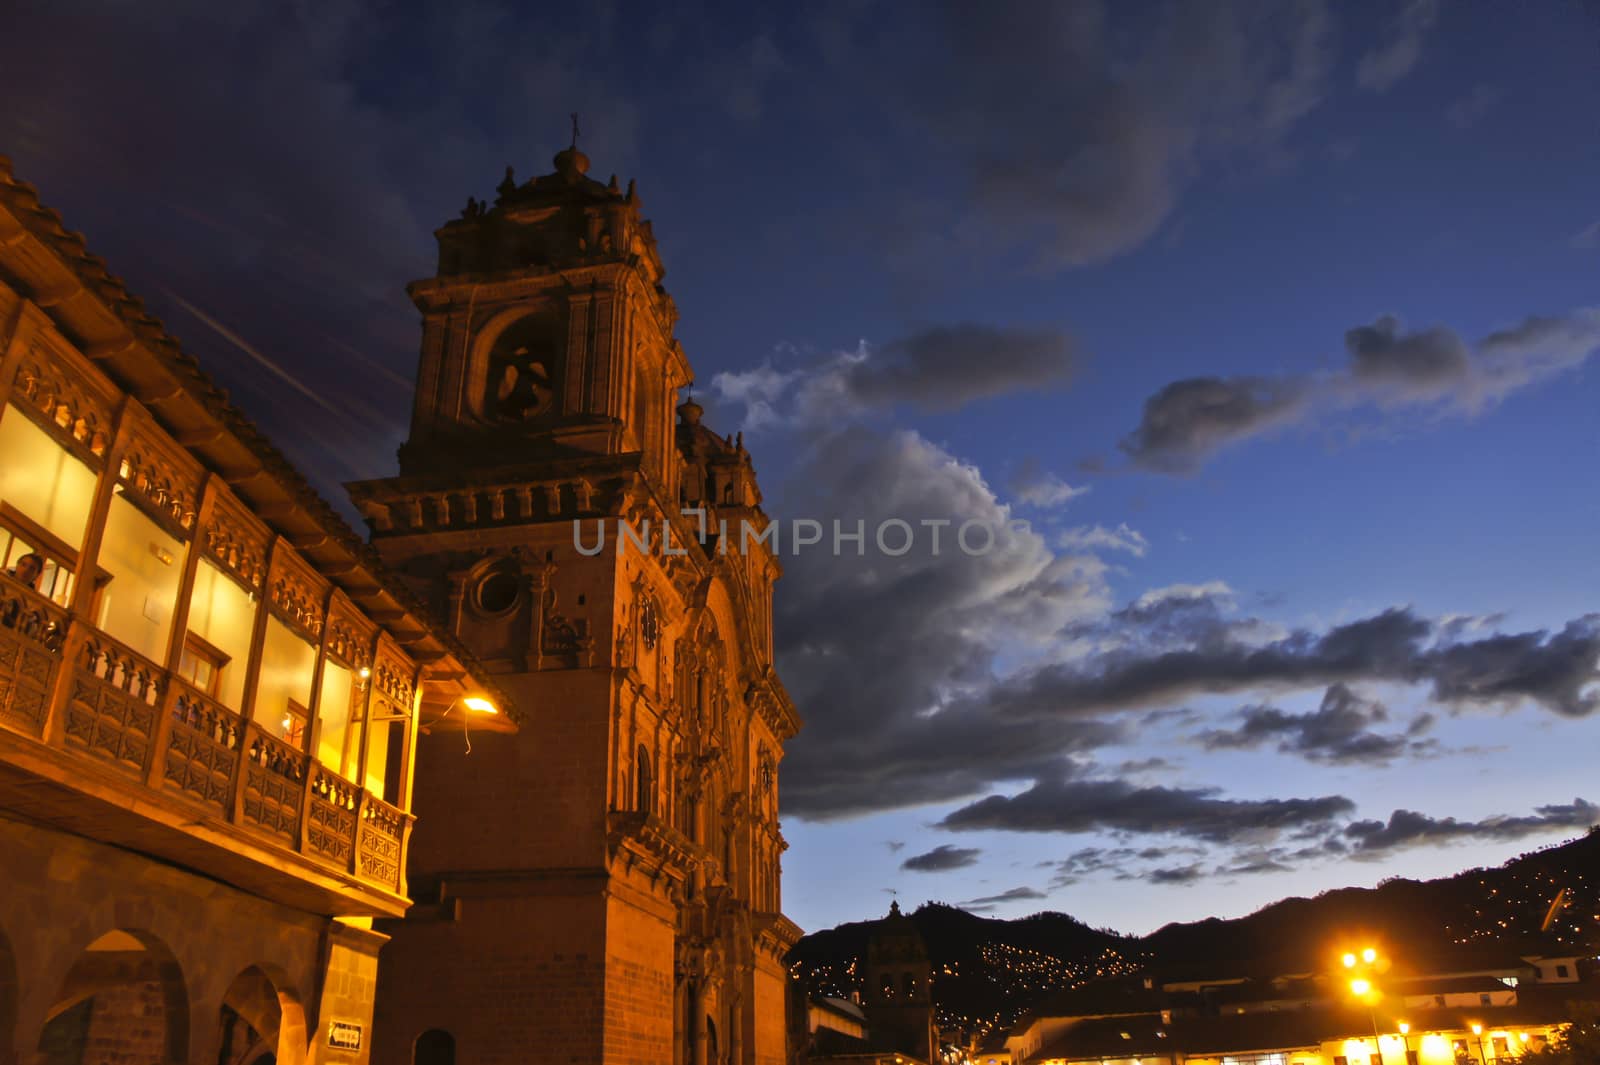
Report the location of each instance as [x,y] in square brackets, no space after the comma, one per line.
[1472,1005]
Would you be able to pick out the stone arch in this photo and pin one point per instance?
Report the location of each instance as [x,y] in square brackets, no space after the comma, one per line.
[262,1022]
[643,781]
[434,1047]
[124,997]
[548,316]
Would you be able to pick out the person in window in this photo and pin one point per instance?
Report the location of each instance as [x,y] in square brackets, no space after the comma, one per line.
[28,570]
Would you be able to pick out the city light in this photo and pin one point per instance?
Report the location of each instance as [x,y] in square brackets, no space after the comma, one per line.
[1349,961]
[1360,988]
[1405,1029]
[1369,955]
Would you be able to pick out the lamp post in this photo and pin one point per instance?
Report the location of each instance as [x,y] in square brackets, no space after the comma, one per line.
[1477,1031]
[1405,1039]
[1361,988]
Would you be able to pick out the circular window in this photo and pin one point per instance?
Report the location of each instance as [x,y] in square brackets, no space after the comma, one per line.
[497,592]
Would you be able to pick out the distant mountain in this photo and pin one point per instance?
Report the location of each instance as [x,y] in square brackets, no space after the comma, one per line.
[988,972]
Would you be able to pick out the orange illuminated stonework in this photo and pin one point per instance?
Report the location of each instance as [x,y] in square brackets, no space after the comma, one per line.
[603,885]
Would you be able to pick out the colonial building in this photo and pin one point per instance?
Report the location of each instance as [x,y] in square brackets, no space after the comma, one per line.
[602,886]
[210,692]
[1478,1006]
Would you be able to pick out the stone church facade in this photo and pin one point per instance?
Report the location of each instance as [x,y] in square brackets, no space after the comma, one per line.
[601,885]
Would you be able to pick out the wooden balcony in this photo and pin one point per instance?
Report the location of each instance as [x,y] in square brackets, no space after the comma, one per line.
[100,741]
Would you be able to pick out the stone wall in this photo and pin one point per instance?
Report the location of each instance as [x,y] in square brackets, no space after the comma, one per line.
[513,972]
[63,892]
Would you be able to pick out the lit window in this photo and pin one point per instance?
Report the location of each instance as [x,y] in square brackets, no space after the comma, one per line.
[293,726]
[201,665]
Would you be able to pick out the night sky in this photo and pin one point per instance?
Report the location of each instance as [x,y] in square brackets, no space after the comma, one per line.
[1274,321]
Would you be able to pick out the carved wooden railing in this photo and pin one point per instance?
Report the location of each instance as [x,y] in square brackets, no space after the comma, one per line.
[32,629]
[114,705]
[125,712]
[202,749]
[332,810]
[274,782]
[380,855]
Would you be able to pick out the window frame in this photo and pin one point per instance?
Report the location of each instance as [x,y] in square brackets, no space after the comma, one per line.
[203,650]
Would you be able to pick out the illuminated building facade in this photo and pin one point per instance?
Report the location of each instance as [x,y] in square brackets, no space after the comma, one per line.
[210,693]
[1478,1007]
[602,886]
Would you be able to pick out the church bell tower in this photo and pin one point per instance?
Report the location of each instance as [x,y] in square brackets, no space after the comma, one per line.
[599,883]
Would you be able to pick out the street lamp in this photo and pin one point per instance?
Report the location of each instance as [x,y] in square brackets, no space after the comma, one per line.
[1405,1039]
[1362,989]
[1477,1030]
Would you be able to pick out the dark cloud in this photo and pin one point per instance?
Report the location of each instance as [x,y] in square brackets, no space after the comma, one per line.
[941,859]
[941,368]
[1123,863]
[1408,828]
[1338,731]
[1255,865]
[946,367]
[1189,420]
[1557,671]
[1064,804]
[1407,366]
[934,721]
[1176,874]
[1091,160]
[895,845]
[1016,894]
[1399,47]
[1554,671]
[1389,645]
[932,624]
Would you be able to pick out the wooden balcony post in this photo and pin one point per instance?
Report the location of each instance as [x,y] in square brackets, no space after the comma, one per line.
[236,787]
[355,844]
[72,648]
[155,772]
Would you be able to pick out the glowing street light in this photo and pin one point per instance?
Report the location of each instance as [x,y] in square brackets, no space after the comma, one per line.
[1477,1030]
[1349,961]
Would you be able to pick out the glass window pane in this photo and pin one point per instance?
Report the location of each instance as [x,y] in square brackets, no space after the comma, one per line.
[146,567]
[338,688]
[287,666]
[43,481]
[223,615]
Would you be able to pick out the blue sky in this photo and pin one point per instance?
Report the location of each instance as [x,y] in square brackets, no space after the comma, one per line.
[957,263]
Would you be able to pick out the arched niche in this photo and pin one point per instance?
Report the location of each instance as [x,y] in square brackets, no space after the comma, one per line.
[123,999]
[261,1022]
